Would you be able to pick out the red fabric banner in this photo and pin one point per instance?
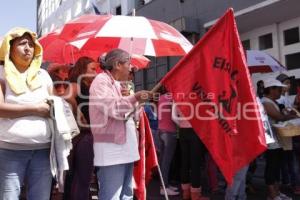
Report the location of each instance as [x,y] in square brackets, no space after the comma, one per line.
[212,88]
[148,159]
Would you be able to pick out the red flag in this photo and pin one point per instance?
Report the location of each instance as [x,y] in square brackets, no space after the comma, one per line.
[148,159]
[214,85]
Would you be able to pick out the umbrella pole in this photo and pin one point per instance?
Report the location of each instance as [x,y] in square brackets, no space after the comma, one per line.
[130,46]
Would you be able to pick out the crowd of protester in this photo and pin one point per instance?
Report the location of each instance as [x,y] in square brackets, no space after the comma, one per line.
[106,110]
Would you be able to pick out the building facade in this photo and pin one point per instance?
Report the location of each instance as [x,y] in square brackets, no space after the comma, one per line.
[268,25]
[52,14]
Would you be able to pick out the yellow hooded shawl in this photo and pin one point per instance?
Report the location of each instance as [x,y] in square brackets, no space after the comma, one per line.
[12,75]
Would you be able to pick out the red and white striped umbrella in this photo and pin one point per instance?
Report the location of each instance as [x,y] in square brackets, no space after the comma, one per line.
[139,61]
[260,62]
[135,34]
[58,50]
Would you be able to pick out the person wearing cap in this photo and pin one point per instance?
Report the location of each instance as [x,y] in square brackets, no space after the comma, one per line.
[25,134]
[272,92]
[284,99]
[288,171]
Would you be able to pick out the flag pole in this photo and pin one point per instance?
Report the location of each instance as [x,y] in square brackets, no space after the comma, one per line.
[154,90]
[162,182]
[156,87]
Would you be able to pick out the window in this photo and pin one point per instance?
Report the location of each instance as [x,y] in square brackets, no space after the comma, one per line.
[118,10]
[138,80]
[246,44]
[146,79]
[192,37]
[265,41]
[77,8]
[295,83]
[293,60]
[291,36]
[142,2]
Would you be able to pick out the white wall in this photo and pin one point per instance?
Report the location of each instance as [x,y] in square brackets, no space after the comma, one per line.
[254,34]
[279,50]
[54,15]
[293,48]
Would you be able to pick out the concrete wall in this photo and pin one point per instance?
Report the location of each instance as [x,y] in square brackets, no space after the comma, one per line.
[205,10]
[171,10]
[279,50]
[193,14]
[53,14]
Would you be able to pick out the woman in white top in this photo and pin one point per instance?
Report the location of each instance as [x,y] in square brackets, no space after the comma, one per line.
[113,126]
[288,170]
[273,90]
[24,129]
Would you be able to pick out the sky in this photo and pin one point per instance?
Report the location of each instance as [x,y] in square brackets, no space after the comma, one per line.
[17,13]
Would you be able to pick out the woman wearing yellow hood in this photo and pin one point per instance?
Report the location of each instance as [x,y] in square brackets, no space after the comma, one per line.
[24,129]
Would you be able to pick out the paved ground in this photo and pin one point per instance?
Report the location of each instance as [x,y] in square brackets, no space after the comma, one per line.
[261,193]
[153,189]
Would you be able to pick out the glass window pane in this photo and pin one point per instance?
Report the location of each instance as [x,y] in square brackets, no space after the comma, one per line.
[266,41]
[291,36]
[246,44]
[293,60]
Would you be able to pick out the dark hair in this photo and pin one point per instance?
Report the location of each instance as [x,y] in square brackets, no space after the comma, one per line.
[258,83]
[57,81]
[111,58]
[55,77]
[79,68]
[260,88]
[11,42]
